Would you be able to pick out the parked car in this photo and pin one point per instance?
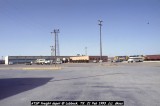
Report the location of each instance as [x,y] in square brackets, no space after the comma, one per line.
[94,61]
[100,61]
[59,62]
[47,62]
[40,61]
[10,63]
[29,63]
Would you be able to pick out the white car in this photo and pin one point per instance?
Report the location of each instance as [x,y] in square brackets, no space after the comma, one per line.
[57,62]
[10,63]
[40,61]
[48,62]
[100,61]
[94,61]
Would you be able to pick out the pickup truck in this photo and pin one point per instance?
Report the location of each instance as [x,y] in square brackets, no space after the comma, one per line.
[40,61]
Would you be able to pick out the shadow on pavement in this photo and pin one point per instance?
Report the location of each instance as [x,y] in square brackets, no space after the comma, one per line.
[13,86]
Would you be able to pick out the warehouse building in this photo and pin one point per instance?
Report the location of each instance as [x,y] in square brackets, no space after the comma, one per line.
[26,59]
[87,59]
[2,61]
[74,59]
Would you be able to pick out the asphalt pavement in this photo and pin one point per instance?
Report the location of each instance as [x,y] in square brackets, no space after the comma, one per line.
[137,84]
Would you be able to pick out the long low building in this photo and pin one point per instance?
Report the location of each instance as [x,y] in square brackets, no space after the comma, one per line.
[2,61]
[86,59]
[77,59]
[26,59]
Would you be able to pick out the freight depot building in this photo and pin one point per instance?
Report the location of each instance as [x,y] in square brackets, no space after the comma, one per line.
[73,59]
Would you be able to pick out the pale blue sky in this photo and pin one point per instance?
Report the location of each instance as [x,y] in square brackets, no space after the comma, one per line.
[25,26]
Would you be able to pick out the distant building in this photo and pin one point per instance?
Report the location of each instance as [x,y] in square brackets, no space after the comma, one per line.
[86,59]
[2,61]
[26,59]
[78,59]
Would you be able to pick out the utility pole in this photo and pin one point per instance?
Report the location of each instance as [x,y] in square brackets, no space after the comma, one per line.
[56,31]
[100,24]
[52,50]
[51,47]
[52,53]
[57,44]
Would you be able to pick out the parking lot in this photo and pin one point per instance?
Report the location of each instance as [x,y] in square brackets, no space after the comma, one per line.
[137,84]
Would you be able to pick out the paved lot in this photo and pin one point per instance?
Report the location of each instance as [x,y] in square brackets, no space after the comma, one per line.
[136,84]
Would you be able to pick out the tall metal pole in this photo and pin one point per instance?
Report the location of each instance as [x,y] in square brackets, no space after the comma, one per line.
[100,24]
[55,45]
[51,34]
[57,41]
[52,50]
[56,31]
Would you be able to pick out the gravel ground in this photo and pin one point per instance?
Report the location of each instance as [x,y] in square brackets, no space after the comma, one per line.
[137,84]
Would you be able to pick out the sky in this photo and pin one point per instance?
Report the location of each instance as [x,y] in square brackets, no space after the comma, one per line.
[129,27]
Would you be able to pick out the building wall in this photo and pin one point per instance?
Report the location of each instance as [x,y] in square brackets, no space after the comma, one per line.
[97,58]
[6,60]
[79,59]
[25,59]
[2,61]
[86,59]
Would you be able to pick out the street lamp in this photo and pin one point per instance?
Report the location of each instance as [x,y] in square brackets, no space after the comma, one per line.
[100,24]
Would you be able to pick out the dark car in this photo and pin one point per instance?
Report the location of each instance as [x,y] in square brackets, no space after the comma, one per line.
[28,63]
